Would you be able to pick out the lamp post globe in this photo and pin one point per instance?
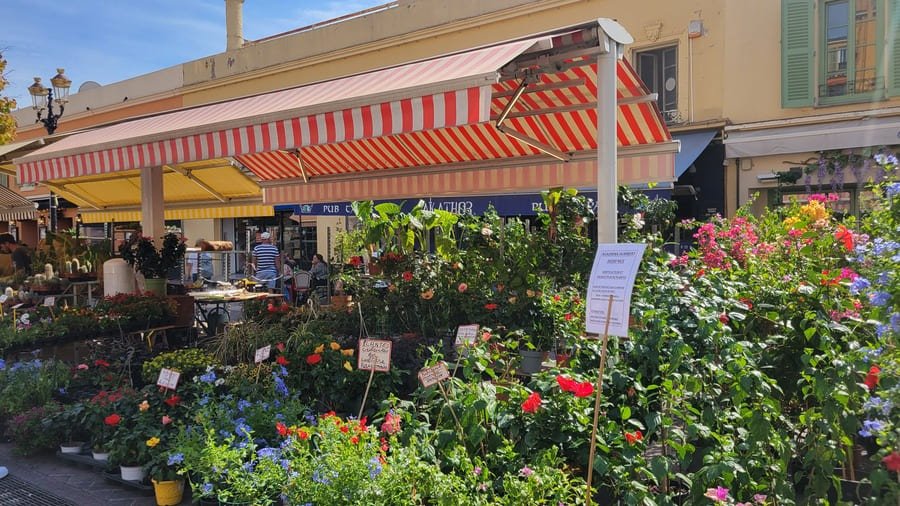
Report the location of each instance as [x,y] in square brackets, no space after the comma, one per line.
[42,98]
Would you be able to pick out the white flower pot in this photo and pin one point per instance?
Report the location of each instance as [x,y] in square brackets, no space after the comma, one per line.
[73,447]
[133,473]
[104,456]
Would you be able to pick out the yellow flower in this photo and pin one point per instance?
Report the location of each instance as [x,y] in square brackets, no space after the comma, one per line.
[144,406]
[335,346]
[153,441]
[319,349]
[814,210]
[347,353]
[790,221]
[348,366]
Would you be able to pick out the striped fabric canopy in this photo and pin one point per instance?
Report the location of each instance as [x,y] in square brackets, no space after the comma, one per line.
[434,114]
[14,207]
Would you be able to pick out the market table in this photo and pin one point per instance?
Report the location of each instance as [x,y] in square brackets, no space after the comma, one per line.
[212,305]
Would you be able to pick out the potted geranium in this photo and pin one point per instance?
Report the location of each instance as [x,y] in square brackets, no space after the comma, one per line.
[152,262]
[136,433]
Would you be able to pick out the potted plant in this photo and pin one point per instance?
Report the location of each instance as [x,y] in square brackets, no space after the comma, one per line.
[136,433]
[152,262]
[101,420]
[168,485]
[68,425]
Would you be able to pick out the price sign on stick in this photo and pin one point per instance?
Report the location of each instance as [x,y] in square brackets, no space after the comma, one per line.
[50,301]
[466,334]
[263,354]
[374,355]
[432,375]
[613,273]
[168,378]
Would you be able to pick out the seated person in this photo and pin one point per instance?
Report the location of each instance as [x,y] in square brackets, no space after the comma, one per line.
[318,272]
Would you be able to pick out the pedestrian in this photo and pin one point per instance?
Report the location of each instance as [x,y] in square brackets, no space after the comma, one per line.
[21,258]
[267,260]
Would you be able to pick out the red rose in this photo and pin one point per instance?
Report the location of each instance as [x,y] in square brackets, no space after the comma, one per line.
[872,378]
[112,420]
[313,359]
[532,403]
[892,461]
[173,401]
[583,389]
[281,360]
[634,437]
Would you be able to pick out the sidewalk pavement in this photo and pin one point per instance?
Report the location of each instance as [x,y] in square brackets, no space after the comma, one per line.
[47,480]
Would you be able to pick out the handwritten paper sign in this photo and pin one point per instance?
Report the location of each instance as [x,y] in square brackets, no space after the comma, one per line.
[615,267]
[50,301]
[17,306]
[466,334]
[168,378]
[434,374]
[374,355]
[3,298]
[263,353]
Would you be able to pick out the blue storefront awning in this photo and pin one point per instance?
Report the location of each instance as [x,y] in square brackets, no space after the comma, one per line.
[692,144]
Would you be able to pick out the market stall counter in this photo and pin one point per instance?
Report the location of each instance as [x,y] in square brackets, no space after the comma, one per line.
[212,306]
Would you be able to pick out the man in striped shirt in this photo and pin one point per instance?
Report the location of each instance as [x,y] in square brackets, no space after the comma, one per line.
[267,260]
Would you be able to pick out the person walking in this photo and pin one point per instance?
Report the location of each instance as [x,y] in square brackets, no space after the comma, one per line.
[267,260]
[21,258]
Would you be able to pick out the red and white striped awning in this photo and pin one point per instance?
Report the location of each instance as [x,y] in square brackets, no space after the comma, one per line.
[443,112]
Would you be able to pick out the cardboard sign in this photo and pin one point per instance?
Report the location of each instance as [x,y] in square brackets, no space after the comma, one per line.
[615,267]
[50,301]
[434,374]
[263,354]
[374,355]
[17,306]
[168,378]
[466,334]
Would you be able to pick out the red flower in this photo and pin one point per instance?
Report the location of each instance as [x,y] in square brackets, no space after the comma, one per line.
[568,317]
[391,423]
[354,439]
[280,347]
[407,276]
[634,437]
[302,434]
[892,461]
[745,301]
[462,287]
[490,306]
[566,384]
[112,420]
[532,403]
[356,261]
[282,429]
[723,318]
[845,236]
[313,359]
[345,429]
[173,401]
[101,363]
[872,378]
[281,360]
[583,389]
[556,298]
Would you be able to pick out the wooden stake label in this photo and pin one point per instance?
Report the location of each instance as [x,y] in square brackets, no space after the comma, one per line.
[50,301]
[374,355]
[263,354]
[432,375]
[168,378]
[466,334]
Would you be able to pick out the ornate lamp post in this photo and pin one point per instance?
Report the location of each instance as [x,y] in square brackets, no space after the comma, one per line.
[42,97]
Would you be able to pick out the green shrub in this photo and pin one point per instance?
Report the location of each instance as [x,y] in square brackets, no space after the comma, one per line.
[189,362]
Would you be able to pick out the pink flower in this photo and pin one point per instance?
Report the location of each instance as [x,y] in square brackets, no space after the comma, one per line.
[717,494]
[462,287]
[526,471]
[391,423]
[82,367]
[759,498]
[166,420]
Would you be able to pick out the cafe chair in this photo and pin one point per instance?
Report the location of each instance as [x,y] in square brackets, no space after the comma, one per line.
[302,280]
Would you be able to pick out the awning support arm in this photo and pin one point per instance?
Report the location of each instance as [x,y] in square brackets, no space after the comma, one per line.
[187,173]
[61,188]
[299,157]
[540,146]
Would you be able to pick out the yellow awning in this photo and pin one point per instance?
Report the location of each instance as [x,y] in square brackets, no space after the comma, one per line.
[199,213]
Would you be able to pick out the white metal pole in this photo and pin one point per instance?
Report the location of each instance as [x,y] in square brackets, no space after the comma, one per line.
[606,141]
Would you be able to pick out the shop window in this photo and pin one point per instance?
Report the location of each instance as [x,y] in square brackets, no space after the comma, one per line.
[658,68]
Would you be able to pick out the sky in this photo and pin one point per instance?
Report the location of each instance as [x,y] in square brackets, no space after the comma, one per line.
[111,40]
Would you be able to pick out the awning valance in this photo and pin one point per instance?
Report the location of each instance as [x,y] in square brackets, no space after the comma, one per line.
[15,207]
[529,98]
[199,213]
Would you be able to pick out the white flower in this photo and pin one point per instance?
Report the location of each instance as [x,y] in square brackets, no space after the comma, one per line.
[220,382]
[637,221]
[486,231]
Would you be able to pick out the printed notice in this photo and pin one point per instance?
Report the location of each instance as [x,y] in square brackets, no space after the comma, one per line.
[466,334]
[263,354]
[168,378]
[433,375]
[49,301]
[613,273]
[374,355]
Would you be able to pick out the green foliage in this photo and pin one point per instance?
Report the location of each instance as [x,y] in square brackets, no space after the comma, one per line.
[7,105]
[28,432]
[188,361]
[153,262]
[27,384]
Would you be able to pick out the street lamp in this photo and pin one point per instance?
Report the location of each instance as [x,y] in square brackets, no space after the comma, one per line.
[42,97]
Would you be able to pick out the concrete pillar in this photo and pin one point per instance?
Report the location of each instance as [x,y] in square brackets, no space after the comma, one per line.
[152,204]
[234,24]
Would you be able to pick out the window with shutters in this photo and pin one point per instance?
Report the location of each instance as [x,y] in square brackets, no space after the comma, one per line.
[832,51]
[658,69]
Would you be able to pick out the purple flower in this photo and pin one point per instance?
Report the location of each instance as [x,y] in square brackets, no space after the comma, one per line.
[717,494]
[759,498]
[870,427]
[858,285]
[879,298]
[892,189]
[176,458]
[268,453]
[209,377]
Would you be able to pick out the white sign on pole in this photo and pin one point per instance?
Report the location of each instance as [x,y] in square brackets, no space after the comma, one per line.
[168,378]
[613,273]
[50,301]
[263,353]
[374,355]
[434,374]
[466,334]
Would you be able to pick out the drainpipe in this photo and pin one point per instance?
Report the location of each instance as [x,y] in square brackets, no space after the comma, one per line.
[234,24]
[737,183]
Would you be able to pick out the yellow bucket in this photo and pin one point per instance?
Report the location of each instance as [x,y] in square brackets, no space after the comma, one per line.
[168,493]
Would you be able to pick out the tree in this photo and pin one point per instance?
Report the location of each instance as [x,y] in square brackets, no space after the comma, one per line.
[7,123]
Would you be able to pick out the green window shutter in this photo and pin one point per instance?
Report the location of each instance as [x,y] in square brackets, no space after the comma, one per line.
[797,69]
[893,47]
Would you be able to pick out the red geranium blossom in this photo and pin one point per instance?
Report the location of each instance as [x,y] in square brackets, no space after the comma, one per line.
[281,360]
[872,378]
[583,389]
[112,420]
[313,359]
[354,439]
[101,363]
[844,235]
[532,403]
[568,317]
[407,276]
[566,384]
[173,401]
[634,437]
[391,423]
[490,306]
[892,461]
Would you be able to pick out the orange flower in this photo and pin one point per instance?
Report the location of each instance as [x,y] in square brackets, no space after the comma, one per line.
[845,236]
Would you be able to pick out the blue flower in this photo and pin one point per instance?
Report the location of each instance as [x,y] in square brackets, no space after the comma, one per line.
[268,453]
[895,322]
[374,467]
[203,400]
[207,488]
[320,478]
[280,387]
[62,391]
[892,189]
[2,364]
[885,159]
[243,404]
[879,298]
[870,427]
[859,284]
[209,377]
[310,419]
[176,458]
[877,403]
